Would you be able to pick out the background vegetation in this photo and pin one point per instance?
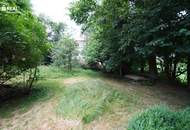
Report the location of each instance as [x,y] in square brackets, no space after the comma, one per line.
[129,36]
[23,42]
[150,38]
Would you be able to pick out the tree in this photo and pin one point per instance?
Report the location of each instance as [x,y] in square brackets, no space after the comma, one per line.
[134,33]
[55,32]
[64,53]
[23,42]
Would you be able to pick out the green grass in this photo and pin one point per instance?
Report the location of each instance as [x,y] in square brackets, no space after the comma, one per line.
[94,99]
[161,118]
[41,92]
[89,100]
[47,87]
[86,100]
[53,72]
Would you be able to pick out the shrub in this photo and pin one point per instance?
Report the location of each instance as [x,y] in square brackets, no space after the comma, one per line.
[161,118]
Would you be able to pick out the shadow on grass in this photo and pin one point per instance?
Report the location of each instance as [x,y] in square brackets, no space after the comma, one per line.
[22,103]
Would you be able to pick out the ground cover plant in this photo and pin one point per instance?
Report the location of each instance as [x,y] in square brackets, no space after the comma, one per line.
[90,101]
[161,118]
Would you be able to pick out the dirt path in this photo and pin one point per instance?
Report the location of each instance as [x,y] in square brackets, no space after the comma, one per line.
[155,94]
[40,117]
[74,80]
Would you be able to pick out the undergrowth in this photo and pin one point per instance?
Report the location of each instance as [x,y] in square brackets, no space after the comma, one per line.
[161,118]
[89,100]
[42,91]
[53,72]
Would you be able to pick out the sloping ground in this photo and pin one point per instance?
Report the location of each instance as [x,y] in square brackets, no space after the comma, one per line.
[146,96]
[40,117]
[43,115]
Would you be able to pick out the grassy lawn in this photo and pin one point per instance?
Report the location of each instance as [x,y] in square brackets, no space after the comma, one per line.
[84,99]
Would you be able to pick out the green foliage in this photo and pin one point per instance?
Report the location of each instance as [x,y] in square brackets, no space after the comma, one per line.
[128,33]
[23,41]
[161,118]
[81,11]
[92,51]
[64,53]
[90,100]
[55,30]
[53,72]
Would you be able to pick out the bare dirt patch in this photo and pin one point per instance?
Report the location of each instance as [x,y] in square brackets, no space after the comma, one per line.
[40,117]
[70,81]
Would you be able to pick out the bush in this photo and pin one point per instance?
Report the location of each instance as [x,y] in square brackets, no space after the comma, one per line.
[161,118]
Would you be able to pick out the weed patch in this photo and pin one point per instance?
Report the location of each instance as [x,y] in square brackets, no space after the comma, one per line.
[89,100]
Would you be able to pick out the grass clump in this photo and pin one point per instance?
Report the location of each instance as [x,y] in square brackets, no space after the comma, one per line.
[161,118]
[89,100]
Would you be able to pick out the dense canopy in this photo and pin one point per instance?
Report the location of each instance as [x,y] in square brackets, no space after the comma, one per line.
[131,35]
[23,40]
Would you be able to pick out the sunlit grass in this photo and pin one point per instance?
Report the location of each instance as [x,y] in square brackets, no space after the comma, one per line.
[53,72]
[47,87]
[89,100]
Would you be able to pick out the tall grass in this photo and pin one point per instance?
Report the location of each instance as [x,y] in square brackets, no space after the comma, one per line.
[89,100]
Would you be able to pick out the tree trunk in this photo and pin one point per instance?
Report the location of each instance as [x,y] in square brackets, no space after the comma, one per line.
[120,70]
[152,65]
[125,69]
[69,62]
[142,66]
[32,78]
[188,72]
[174,70]
[167,68]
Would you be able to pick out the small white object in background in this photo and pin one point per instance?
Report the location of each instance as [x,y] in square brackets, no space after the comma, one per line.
[8,8]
